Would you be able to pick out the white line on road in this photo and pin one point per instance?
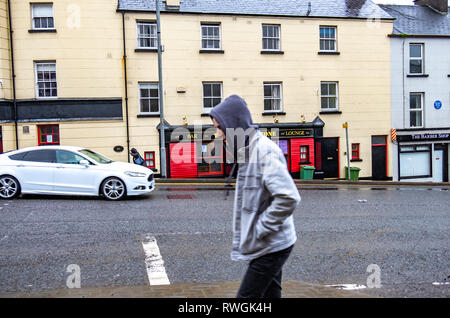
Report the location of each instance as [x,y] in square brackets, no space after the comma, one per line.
[154,263]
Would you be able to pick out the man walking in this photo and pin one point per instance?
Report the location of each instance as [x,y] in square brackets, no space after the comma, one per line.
[265,198]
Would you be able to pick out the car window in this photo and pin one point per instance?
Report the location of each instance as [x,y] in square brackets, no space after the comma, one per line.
[18,156]
[68,157]
[47,155]
[95,156]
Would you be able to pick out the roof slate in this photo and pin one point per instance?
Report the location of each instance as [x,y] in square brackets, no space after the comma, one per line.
[418,20]
[319,8]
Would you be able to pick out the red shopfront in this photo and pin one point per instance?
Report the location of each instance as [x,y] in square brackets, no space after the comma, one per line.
[195,154]
[297,145]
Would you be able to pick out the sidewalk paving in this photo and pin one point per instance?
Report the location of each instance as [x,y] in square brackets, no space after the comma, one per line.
[291,289]
[222,181]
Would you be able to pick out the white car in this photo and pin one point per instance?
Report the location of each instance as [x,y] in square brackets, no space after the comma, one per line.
[67,170]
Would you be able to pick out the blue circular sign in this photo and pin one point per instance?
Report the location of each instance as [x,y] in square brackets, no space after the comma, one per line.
[438,104]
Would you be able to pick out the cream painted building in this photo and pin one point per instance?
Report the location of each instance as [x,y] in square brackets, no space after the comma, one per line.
[304,70]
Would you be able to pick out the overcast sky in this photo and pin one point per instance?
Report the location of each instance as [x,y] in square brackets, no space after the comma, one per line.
[408,2]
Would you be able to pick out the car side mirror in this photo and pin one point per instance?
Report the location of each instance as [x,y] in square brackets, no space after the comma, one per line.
[84,162]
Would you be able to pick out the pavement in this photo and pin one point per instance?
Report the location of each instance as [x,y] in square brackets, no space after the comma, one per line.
[291,289]
[222,181]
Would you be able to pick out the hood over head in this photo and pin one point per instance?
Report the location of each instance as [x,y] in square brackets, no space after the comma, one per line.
[232,113]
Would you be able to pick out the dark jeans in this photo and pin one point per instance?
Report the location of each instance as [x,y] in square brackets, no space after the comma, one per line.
[263,276]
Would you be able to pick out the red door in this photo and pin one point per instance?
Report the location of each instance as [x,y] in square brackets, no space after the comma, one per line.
[302,153]
[183,160]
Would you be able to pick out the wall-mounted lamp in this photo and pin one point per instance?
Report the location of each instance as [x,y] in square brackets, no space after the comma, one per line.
[275,119]
[303,119]
[185,122]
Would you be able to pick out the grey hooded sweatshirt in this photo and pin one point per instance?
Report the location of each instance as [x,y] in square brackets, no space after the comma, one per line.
[265,195]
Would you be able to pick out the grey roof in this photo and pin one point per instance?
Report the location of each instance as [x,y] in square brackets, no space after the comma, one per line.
[418,20]
[319,8]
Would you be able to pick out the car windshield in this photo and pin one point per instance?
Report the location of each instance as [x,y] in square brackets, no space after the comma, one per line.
[95,156]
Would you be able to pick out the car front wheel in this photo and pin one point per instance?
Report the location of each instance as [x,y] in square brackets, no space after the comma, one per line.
[113,189]
[9,187]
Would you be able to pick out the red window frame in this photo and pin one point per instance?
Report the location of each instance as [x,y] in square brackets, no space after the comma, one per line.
[48,130]
[304,154]
[355,151]
[149,157]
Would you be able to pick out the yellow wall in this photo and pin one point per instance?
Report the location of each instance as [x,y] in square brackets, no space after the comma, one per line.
[5,67]
[88,52]
[362,69]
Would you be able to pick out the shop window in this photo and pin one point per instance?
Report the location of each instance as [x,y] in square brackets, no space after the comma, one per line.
[355,152]
[283,144]
[415,161]
[48,135]
[212,162]
[304,154]
[149,157]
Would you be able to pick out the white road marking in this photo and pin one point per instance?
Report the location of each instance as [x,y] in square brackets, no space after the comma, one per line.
[347,286]
[154,263]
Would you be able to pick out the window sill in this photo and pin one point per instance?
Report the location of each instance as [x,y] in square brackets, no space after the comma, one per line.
[146,50]
[42,31]
[148,116]
[417,75]
[205,115]
[328,53]
[305,163]
[331,112]
[212,51]
[273,113]
[273,52]
[355,160]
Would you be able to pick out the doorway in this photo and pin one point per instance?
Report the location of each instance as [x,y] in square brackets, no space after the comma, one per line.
[440,163]
[379,158]
[330,157]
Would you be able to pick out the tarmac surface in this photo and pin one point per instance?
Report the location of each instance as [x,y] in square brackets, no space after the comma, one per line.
[291,289]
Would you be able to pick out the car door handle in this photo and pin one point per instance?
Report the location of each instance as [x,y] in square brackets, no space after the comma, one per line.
[20,166]
[60,167]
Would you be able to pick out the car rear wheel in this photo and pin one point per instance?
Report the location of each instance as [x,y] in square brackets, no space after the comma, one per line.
[113,189]
[9,187]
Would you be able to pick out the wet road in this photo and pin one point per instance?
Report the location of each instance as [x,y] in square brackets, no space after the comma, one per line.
[345,234]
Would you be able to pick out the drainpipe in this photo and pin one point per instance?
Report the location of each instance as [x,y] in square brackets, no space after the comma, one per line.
[126,86]
[13,74]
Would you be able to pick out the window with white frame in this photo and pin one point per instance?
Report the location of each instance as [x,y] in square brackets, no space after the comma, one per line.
[212,95]
[42,16]
[148,98]
[328,39]
[146,35]
[272,97]
[416,58]
[270,37]
[46,85]
[329,96]
[416,110]
[211,36]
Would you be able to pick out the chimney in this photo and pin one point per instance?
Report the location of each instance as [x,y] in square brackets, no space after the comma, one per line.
[440,6]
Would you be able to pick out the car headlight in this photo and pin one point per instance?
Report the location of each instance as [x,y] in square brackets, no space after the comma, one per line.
[134,174]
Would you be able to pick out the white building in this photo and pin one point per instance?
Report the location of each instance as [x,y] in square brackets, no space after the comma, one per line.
[420,97]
